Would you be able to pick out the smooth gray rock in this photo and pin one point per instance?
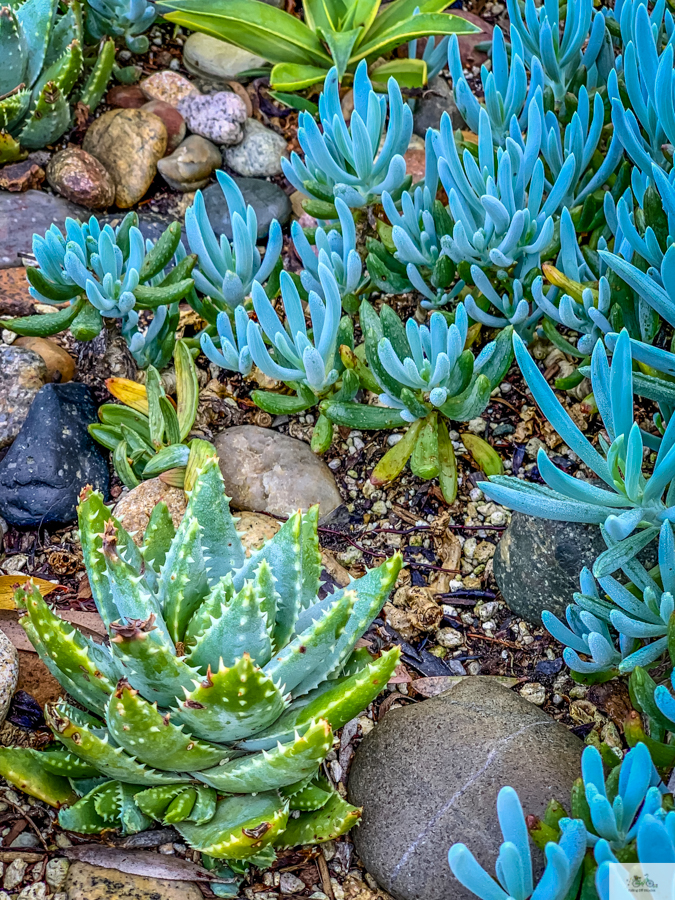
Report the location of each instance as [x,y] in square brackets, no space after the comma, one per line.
[190,165]
[52,458]
[429,109]
[537,563]
[266,198]
[259,153]
[28,213]
[428,776]
[22,373]
[208,57]
[265,471]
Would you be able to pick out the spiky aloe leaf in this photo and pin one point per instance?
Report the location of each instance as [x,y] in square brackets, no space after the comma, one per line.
[221,546]
[11,151]
[36,18]
[181,806]
[240,627]
[337,701]
[183,584]
[309,650]
[312,797]
[311,556]
[60,762]
[149,663]
[95,748]
[48,120]
[114,803]
[284,554]
[67,28]
[241,827]
[372,590]
[156,802]
[231,704]
[82,816]
[24,769]
[15,51]
[62,73]
[98,79]
[284,765]
[159,533]
[92,514]
[151,737]
[131,596]
[324,824]
[85,663]
[12,108]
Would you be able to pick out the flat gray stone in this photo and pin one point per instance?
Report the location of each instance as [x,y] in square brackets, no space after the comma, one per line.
[428,776]
[28,213]
[266,198]
[265,471]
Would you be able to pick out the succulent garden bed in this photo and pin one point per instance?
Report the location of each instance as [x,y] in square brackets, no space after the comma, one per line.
[406,269]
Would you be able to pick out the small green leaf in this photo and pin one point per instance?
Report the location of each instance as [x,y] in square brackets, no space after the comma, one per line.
[486,458]
[394,460]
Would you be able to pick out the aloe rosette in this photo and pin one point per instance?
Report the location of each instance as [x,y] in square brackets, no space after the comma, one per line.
[217,698]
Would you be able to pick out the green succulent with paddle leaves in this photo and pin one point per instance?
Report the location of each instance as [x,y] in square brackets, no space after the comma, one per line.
[148,435]
[219,693]
[336,33]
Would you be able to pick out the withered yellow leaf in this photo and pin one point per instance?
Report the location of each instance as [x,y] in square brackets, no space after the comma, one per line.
[131,393]
[8,584]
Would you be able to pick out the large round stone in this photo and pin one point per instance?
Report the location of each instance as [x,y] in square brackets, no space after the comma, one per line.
[259,153]
[22,373]
[538,561]
[80,177]
[266,198]
[428,776]
[209,57]
[128,142]
[266,471]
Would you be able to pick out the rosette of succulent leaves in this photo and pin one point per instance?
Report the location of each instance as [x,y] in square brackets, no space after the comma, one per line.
[337,251]
[218,697]
[616,818]
[637,613]
[423,376]
[148,435]
[41,49]
[227,270]
[632,507]
[356,162]
[408,255]
[105,272]
[121,18]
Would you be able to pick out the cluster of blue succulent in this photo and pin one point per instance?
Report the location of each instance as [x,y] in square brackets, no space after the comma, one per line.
[121,18]
[626,810]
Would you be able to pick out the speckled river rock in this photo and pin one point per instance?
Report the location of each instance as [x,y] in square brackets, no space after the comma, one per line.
[52,458]
[9,673]
[22,373]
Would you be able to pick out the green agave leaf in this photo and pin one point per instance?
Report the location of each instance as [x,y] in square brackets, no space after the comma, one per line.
[341,43]
[180,807]
[82,816]
[63,73]
[115,804]
[67,28]
[241,827]
[231,704]
[327,823]
[410,73]
[24,769]
[311,797]
[60,762]
[97,82]
[284,765]
[296,77]
[418,26]
[336,701]
[95,748]
[253,26]
[12,108]
[159,534]
[151,737]
[15,52]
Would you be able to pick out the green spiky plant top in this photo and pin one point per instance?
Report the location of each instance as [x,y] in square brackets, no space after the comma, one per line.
[217,698]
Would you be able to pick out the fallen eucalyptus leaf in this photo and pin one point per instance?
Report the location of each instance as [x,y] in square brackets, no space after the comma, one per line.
[138,862]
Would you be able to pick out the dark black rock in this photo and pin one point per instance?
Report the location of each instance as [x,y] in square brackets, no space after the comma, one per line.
[266,198]
[52,458]
[429,774]
[437,99]
[538,561]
